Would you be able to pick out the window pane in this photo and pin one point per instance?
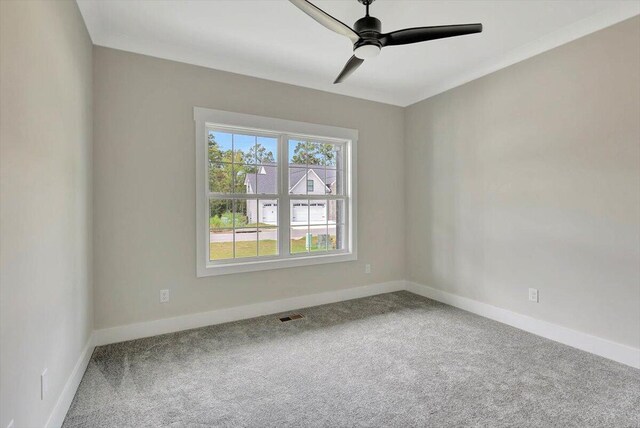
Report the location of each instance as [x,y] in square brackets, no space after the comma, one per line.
[336,212]
[245,212]
[220,229]
[319,237]
[316,180]
[220,146]
[268,212]
[315,152]
[246,242]
[300,238]
[298,153]
[240,178]
[266,150]
[299,212]
[336,237]
[320,175]
[333,155]
[220,214]
[258,151]
[318,212]
[245,231]
[244,148]
[220,177]
[297,181]
[267,241]
[333,181]
[266,178]
[221,244]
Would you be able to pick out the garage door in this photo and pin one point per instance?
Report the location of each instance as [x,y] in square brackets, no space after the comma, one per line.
[300,212]
[270,213]
[318,212]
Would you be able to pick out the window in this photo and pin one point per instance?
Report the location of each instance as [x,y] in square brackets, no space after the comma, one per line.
[272,193]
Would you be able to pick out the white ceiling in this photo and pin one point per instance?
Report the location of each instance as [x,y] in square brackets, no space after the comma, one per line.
[274,40]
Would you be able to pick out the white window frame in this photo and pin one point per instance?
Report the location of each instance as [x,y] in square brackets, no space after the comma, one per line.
[205,118]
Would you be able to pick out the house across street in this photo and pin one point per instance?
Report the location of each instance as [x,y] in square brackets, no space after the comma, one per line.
[303,180]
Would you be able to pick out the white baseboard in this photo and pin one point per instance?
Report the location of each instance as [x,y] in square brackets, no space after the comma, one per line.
[185,322]
[596,345]
[70,387]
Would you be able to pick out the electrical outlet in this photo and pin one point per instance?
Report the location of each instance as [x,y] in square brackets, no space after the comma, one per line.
[533,295]
[44,384]
[164,296]
[367,268]
[10,424]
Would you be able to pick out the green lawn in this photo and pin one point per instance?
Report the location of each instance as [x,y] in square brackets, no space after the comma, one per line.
[224,250]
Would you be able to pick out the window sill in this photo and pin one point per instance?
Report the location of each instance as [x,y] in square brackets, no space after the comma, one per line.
[261,265]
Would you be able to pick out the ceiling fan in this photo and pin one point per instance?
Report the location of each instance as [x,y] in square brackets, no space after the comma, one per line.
[368,39]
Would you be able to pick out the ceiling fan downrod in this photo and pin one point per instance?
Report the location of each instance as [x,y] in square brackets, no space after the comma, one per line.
[366,4]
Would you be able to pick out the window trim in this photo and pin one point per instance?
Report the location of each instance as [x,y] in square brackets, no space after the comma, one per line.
[204,117]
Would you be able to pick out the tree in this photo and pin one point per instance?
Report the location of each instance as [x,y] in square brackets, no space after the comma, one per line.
[307,153]
[327,153]
[216,154]
[258,154]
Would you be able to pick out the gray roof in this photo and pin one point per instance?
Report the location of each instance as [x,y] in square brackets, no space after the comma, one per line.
[265,180]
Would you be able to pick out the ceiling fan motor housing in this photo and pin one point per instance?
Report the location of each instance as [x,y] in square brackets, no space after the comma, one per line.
[369,29]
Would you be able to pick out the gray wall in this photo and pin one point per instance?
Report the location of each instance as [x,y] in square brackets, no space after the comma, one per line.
[45,202]
[144,184]
[530,177]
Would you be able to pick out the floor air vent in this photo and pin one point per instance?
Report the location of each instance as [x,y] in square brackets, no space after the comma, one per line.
[291,317]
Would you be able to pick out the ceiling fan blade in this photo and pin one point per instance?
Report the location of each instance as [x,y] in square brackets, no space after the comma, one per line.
[423,34]
[349,68]
[325,19]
